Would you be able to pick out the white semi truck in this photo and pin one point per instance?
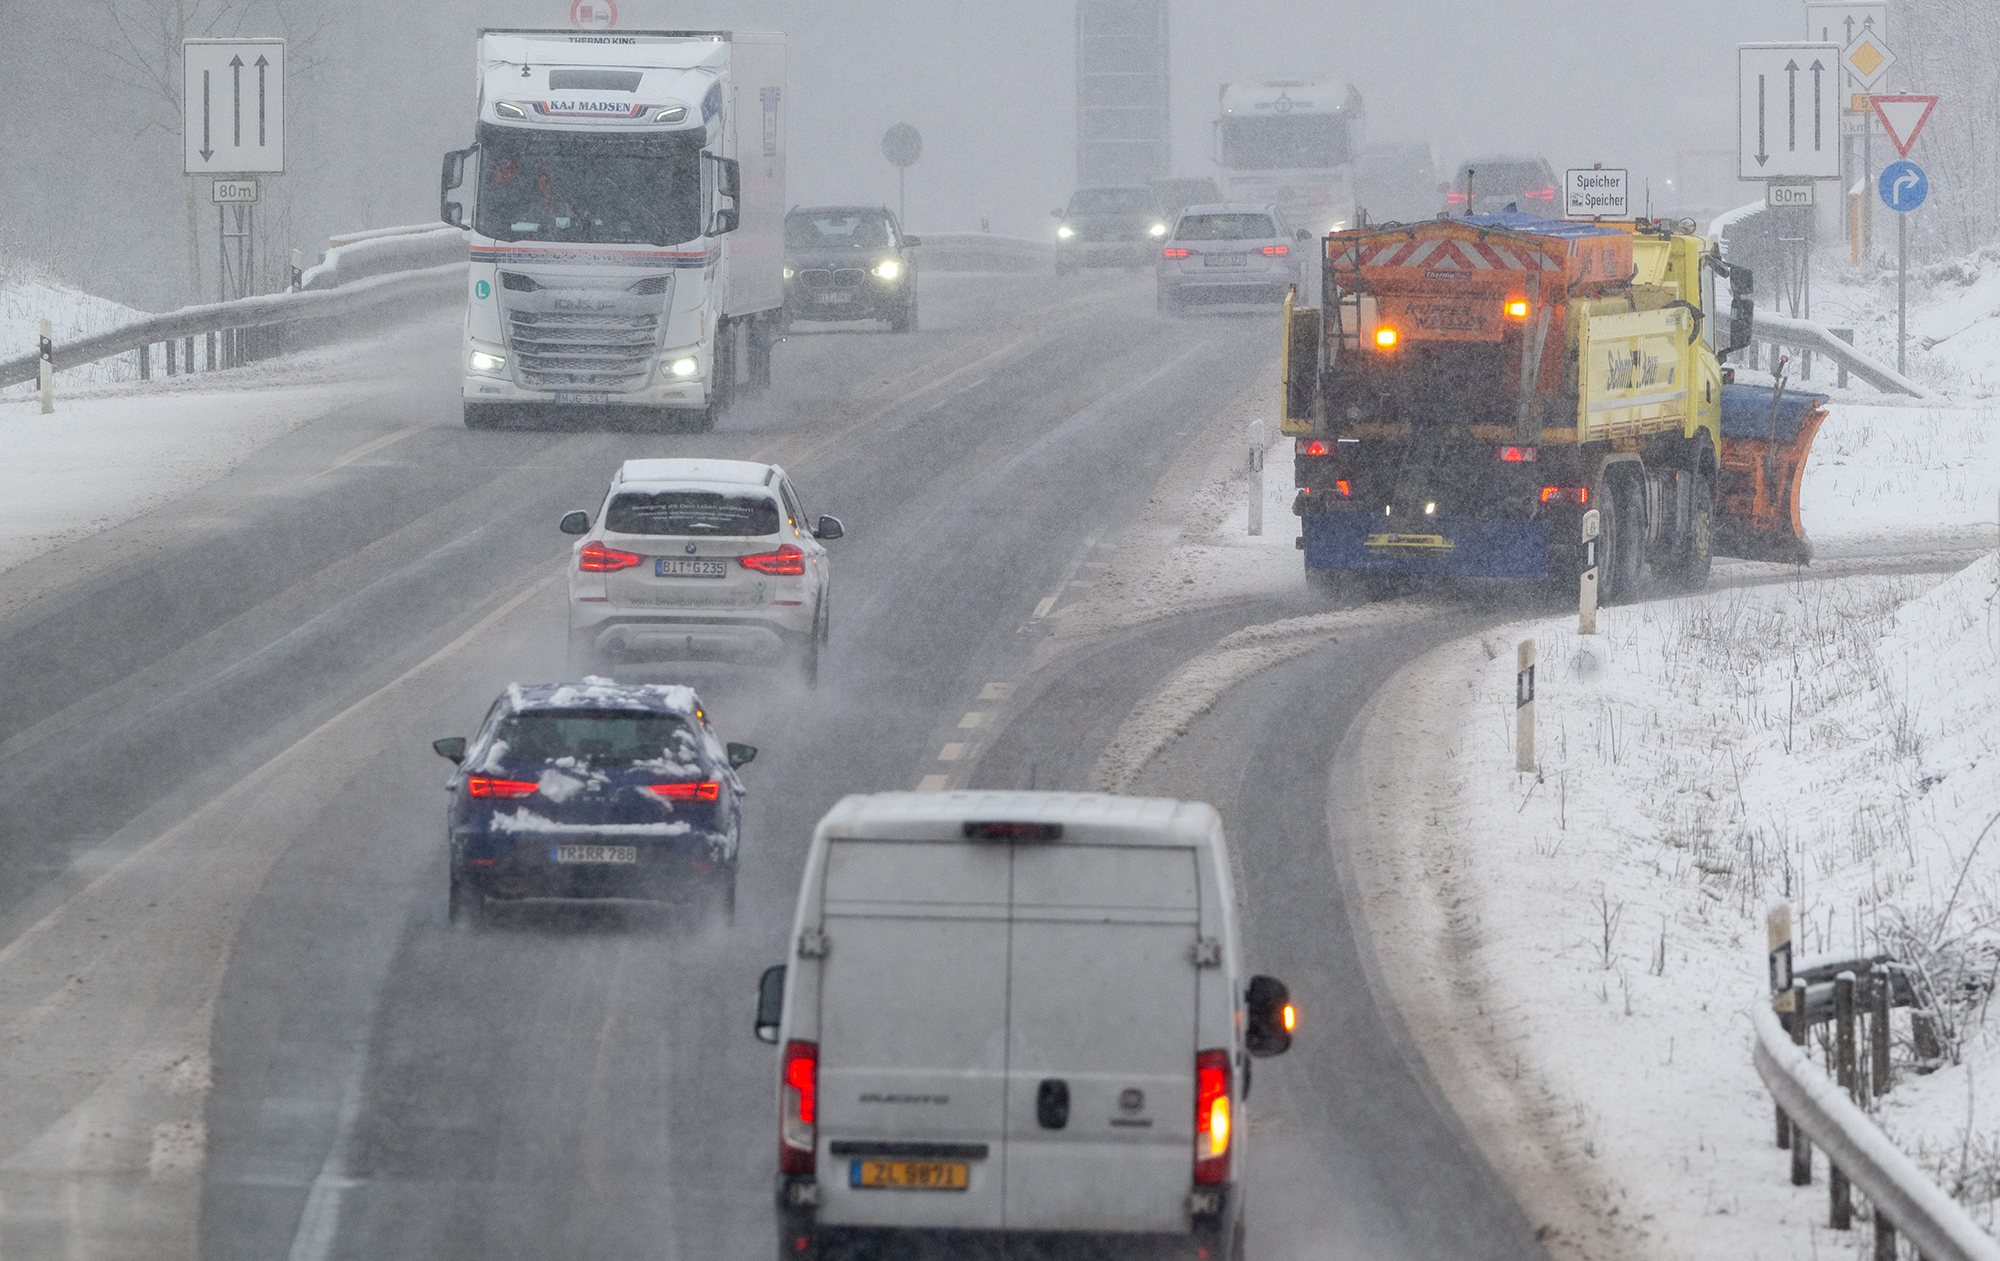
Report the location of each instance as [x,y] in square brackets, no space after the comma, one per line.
[624,200]
[1292,143]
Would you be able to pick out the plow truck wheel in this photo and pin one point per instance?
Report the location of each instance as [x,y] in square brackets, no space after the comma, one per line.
[1621,555]
[1695,551]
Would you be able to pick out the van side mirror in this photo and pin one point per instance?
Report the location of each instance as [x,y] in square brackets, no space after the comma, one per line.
[577,522]
[770,1003]
[829,528]
[1269,1017]
[741,754]
[1304,236]
[451,748]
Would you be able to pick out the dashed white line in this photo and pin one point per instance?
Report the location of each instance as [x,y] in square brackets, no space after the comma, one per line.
[1042,609]
[953,752]
[977,718]
[933,783]
[997,691]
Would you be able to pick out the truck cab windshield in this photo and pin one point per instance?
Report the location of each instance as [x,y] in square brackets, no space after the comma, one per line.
[580,187]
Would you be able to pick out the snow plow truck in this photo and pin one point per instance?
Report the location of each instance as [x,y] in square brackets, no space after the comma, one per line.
[1470,387]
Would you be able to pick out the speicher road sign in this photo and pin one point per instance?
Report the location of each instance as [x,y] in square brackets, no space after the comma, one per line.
[1787,111]
[233,118]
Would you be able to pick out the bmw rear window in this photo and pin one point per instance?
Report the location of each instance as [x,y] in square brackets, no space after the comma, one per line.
[1225,228]
[697,512]
[598,737]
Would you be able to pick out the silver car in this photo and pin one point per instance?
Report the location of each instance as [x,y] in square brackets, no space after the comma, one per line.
[1228,253]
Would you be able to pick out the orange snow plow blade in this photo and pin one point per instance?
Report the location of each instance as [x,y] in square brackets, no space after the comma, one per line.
[1764,447]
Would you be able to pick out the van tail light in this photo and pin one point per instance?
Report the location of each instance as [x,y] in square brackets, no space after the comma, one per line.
[1211,1118]
[595,558]
[1277,251]
[482,786]
[1309,446]
[1566,495]
[786,562]
[706,791]
[1173,252]
[798,1108]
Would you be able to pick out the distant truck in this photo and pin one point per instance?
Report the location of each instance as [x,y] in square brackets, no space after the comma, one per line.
[1292,143]
[625,199]
[1475,385]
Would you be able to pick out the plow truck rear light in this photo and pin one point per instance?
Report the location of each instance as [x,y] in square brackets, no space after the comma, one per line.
[798,1108]
[1565,494]
[706,791]
[1385,338]
[482,786]
[1517,309]
[1309,446]
[1211,1118]
[1515,455]
[786,562]
[595,558]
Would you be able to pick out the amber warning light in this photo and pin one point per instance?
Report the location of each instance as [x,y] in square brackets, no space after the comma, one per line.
[1518,309]
[1385,337]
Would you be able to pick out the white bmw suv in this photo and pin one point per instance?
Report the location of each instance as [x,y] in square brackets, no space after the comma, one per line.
[698,560]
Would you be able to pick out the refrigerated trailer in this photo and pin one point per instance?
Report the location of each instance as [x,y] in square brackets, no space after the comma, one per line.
[624,200]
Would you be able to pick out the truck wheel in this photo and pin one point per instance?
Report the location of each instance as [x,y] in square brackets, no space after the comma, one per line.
[1623,552]
[482,416]
[704,420]
[1694,554]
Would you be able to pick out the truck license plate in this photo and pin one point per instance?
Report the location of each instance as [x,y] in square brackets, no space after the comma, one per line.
[589,397]
[682,567]
[909,1175]
[596,853]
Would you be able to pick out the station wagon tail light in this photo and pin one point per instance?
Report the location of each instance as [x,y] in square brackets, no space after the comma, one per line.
[1565,494]
[786,562]
[595,558]
[1385,339]
[797,1124]
[1276,251]
[1174,251]
[483,786]
[1211,1117]
[708,790]
[1309,446]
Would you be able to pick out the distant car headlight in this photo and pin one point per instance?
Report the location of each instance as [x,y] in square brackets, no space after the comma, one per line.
[685,366]
[888,269]
[1158,229]
[789,273]
[483,362]
[1065,232]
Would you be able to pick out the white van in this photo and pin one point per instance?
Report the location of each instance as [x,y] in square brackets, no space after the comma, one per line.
[1018,1015]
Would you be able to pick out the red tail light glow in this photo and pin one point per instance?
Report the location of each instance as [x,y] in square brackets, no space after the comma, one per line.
[1211,1118]
[1174,251]
[707,791]
[1277,251]
[798,1109]
[1515,455]
[1309,446]
[595,558]
[1566,494]
[482,786]
[1547,194]
[786,562]
[1341,487]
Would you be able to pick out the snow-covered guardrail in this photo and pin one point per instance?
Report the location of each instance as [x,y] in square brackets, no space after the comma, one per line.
[983,251]
[1814,337]
[1819,1111]
[230,318]
[359,255]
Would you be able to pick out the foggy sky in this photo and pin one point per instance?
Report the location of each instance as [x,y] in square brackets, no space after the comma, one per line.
[989,85]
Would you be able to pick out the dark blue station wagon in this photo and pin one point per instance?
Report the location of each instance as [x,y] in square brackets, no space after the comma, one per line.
[594,790]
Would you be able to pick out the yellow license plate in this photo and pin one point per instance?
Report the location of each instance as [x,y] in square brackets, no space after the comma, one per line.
[912,1175]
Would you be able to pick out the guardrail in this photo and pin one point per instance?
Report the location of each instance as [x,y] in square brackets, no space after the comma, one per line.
[983,251]
[379,251]
[222,324]
[1812,337]
[1813,1109]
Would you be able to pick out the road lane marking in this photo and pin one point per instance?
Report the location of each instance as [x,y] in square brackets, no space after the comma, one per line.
[1042,608]
[997,691]
[933,783]
[953,752]
[370,447]
[977,718]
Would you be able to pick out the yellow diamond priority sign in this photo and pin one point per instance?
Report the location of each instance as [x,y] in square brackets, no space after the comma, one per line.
[1867,59]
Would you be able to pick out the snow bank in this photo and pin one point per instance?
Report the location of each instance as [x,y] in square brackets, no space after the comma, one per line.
[1832,744]
[27,297]
[1954,317]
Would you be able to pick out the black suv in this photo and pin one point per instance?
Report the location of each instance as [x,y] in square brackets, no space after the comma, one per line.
[849,263]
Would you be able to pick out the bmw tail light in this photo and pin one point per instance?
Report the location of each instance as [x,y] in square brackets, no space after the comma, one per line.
[483,786]
[787,562]
[595,558]
[706,791]
[1211,1118]
[798,1109]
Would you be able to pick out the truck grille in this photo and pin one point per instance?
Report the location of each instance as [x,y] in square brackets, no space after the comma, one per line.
[582,333]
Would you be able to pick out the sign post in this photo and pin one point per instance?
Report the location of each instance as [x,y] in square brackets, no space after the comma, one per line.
[233,124]
[1860,30]
[1524,706]
[1788,133]
[902,146]
[45,370]
[1257,477]
[1903,187]
[1588,194]
[1586,597]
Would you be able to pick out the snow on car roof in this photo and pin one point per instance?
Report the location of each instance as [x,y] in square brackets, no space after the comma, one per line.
[1089,818]
[597,692]
[741,472]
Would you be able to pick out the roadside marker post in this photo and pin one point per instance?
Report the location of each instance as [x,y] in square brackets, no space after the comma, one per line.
[1778,936]
[46,370]
[1903,187]
[1256,477]
[1524,706]
[1586,596]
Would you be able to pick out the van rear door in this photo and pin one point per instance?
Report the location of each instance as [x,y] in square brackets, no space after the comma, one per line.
[913,995]
[1101,1014]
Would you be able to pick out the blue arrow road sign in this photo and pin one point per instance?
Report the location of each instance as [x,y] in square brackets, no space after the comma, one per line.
[1903,186]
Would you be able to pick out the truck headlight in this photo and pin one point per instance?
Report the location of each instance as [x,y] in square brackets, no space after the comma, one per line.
[483,362]
[1065,232]
[789,273]
[888,269]
[685,366]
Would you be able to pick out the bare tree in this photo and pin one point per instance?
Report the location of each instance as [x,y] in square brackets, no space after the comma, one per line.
[140,41]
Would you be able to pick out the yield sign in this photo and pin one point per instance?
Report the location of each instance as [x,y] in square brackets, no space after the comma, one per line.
[1903,117]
